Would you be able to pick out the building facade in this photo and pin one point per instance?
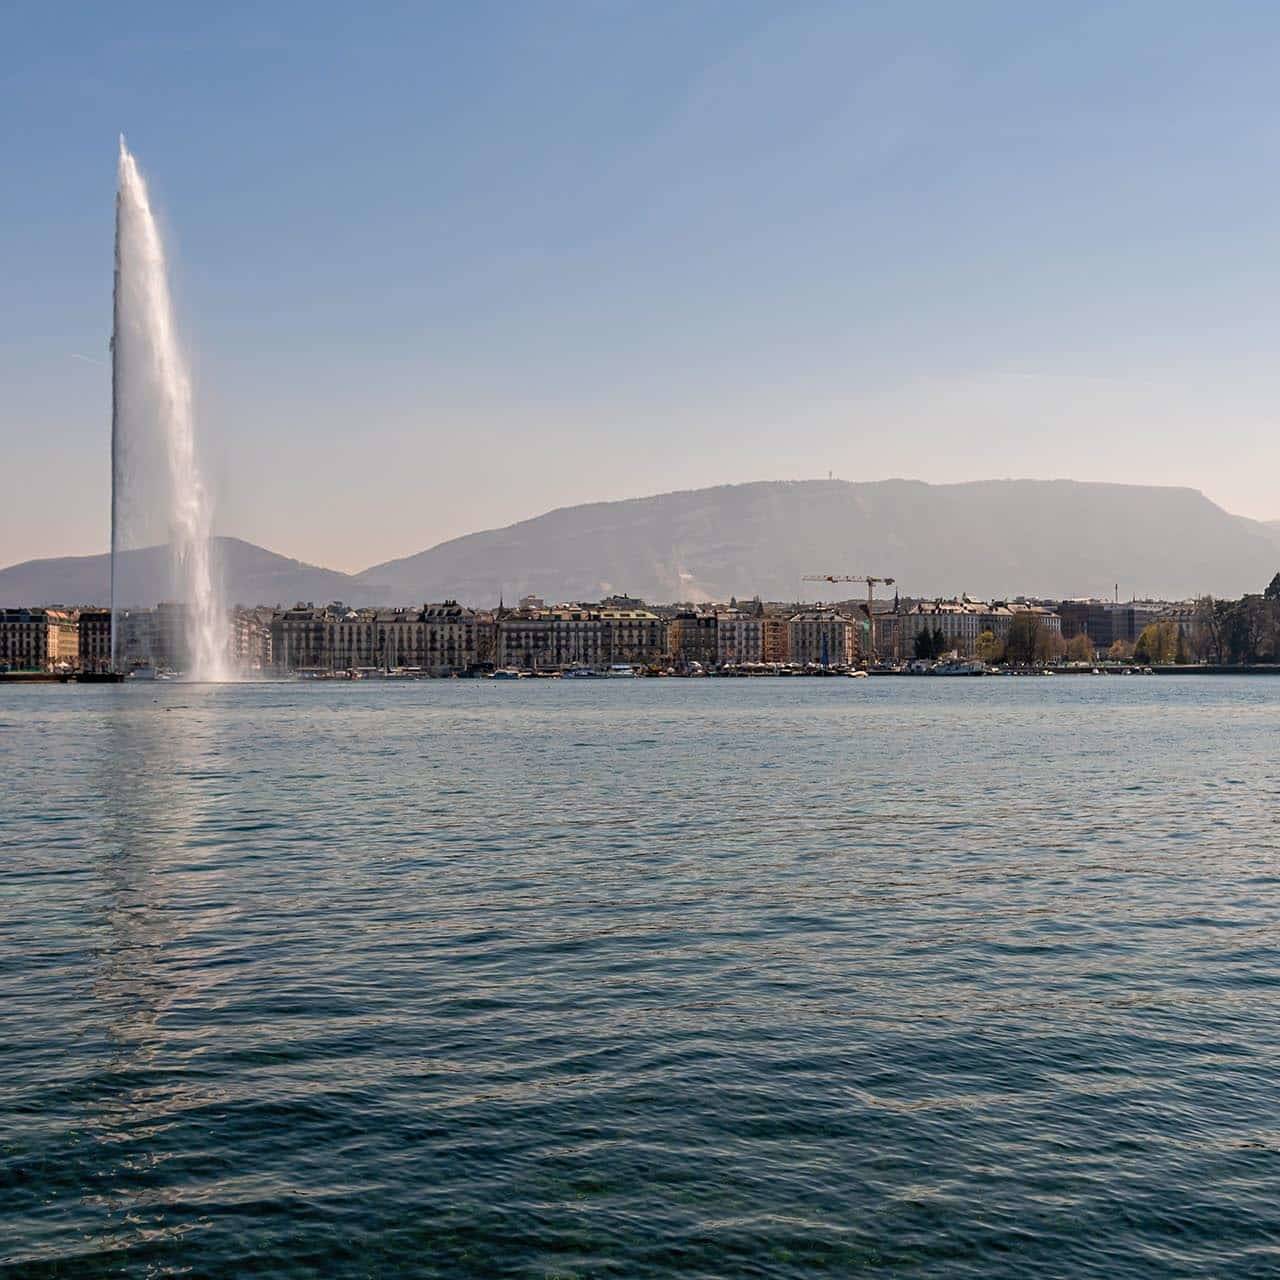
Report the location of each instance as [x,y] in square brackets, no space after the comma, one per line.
[39,639]
[691,640]
[961,622]
[775,638]
[94,626]
[580,636]
[1106,621]
[822,637]
[250,640]
[439,639]
[739,638]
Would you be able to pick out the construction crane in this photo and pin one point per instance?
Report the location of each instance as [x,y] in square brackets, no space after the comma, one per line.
[872,583]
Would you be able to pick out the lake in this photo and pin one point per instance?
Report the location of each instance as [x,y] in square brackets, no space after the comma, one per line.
[641,978]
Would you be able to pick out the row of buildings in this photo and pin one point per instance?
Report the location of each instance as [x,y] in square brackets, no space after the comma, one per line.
[438,639]
[448,638]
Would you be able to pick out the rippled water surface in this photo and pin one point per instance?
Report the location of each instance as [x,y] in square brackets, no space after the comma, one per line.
[641,978]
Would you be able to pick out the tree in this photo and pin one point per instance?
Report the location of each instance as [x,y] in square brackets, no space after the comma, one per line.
[1146,642]
[1164,649]
[1158,642]
[1050,646]
[1080,648]
[1024,631]
[1120,651]
[1180,654]
[930,644]
[989,647]
[1206,634]
[1237,631]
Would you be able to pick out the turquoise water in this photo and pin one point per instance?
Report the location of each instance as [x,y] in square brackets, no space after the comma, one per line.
[641,978]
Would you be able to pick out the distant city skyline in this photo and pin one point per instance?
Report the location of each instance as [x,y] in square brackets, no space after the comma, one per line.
[443,269]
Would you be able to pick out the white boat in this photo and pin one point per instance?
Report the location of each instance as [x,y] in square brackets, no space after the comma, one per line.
[507,673]
[959,667]
[621,671]
[580,673]
[857,675]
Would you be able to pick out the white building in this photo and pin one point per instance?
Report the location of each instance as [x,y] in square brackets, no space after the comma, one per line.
[962,621]
[739,638]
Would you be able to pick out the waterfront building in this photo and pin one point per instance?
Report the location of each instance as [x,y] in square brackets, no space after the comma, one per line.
[525,640]
[157,637]
[580,636]
[251,639]
[634,636]
[169,629]
[135,629]
[39,639]
[300,638]
[888,635]
[486,634]
[1106,621]
[94,626]
[739,638]
[1050,620]
[775,638]
[438,639]
[822,637]
[447,636]
[691,639]
[962,621]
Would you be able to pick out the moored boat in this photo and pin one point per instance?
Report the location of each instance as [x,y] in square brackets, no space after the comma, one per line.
[960,667]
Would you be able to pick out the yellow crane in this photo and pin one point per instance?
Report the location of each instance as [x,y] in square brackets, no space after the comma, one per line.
[872,583]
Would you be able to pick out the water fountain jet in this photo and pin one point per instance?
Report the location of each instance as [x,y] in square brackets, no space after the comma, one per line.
[155,472]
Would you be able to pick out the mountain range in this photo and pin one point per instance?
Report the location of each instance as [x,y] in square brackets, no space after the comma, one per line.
[993,538]
[250,575]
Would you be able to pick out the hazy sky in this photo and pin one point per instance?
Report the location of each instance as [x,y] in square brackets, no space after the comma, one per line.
[446,266]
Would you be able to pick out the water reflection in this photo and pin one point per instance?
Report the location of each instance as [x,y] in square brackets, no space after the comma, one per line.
[152,781]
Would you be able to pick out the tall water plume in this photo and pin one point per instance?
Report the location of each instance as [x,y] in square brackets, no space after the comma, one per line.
[157,492]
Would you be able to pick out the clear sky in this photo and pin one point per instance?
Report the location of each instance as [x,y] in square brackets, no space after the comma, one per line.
[444,266]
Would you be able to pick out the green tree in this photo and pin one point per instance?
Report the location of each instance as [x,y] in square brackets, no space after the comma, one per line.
[940,645]
[923,645]
[1024,632]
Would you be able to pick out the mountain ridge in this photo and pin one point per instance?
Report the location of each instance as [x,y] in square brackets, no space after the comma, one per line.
[765,535]
[251,575]
[990,538]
